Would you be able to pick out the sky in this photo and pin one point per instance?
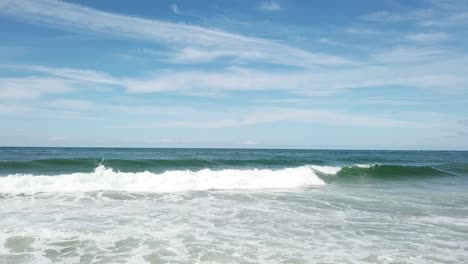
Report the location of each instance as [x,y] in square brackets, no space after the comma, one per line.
[360,74]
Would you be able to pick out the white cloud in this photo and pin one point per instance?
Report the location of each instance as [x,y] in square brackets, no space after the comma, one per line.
[451,20]
[249,143]
[405,54]
[270,6]
[71,104]
[437,13]
[427,38]
[74,17]
[270,115]
[328,41]
[193,55]
[385,16]
[13,109]
[175,9]
[56,81]
[67,73]
[85,109]
[32,87]
[463,122]
[423,68]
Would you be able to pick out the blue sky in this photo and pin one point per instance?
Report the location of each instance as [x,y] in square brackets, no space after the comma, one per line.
[358,74]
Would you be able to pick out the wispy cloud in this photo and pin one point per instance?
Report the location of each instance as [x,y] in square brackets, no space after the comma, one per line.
[186,117]
[419,68]
[74,17]
[195,55]
[71,104]
[270,5]
[55,81]
[388,17]
[437,14]
[413,66]
[400,68]
[328,41]
[463,122]
[175,8]
[271,115]
[32,87]
[390,61]
[249,143]
[451,20]
[428,37]
[405,54]
[67,73]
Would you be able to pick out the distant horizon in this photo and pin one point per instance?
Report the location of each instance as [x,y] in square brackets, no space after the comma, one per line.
[244,148]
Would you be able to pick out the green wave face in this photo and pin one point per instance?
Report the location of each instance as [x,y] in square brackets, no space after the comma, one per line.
[391,171]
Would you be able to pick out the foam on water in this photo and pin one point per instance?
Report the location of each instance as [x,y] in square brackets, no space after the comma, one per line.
[333,170]
[365,166]
[326,169]
[324,225]
[107,179]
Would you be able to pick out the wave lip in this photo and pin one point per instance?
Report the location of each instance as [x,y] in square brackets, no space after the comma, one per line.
[106,179]
[330,170]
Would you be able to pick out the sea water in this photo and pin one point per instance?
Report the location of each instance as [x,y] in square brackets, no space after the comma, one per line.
[90,205]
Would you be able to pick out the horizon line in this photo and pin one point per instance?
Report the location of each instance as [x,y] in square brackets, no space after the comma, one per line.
[241,148]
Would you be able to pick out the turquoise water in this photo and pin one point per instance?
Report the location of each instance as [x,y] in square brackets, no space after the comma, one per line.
[81,205]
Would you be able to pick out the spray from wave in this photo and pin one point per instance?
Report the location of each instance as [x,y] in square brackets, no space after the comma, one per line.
[106,179]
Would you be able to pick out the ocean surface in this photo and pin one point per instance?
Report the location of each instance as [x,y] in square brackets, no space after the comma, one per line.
[103,205]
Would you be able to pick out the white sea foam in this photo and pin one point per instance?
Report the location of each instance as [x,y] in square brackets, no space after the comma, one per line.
[326,169]
[364,166]
[332,170]
[107,179]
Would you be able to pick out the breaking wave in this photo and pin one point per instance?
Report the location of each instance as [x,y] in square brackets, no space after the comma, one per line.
[106,179]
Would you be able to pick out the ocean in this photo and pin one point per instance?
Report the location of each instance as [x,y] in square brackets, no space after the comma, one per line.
[115,205]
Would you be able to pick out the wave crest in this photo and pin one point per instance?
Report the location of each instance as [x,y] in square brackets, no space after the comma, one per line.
[106,179]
